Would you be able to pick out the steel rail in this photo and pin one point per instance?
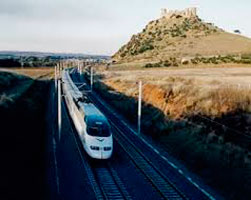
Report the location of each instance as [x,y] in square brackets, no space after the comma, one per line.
[160,182]
[105,182]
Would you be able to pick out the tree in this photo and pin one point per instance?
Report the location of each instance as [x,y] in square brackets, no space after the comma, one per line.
[237,31]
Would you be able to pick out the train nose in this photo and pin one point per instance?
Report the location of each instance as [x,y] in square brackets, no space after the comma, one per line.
[106,152]
[100,152]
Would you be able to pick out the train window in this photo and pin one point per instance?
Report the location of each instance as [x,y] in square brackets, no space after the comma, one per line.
[76,103]
[98,128]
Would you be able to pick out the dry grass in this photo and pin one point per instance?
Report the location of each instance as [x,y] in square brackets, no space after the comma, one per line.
[208,91]
[175,100]
[36,73]
[14,85]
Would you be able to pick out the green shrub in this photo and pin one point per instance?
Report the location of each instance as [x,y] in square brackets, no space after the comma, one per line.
[148,65]
[186,62]
[194,61]
[123,54]
[246,56]
[153,65]
[167,63]
[146,47]
[245,61]
[157,65]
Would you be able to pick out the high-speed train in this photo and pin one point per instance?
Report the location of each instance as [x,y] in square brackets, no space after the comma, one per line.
[92,126]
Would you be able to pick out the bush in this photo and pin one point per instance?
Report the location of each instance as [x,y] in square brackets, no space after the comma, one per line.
[167,63]
[186,62]
[146,47]
[148,65]
[9,63]
[123,54]
[246,56]
[245,61]
[194,61]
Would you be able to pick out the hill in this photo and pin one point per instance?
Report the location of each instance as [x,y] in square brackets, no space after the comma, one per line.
[181,36]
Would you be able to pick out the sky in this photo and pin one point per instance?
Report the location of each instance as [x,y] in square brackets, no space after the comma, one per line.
[101,26]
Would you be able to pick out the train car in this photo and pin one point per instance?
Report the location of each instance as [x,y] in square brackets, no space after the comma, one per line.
[92,126]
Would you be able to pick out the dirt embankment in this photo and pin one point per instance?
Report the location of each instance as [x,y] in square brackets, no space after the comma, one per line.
[206,128]
[22,138]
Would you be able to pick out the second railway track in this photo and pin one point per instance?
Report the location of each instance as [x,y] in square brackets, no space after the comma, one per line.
[166,189]
[159,181]
[162,181]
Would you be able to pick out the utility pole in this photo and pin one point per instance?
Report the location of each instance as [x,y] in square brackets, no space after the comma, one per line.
[78,67]
[139,107]
[55,72]
[59,107]
[22,62]
[91,78]
[81,68]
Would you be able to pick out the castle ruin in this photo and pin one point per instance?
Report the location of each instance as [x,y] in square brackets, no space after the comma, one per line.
[187,13]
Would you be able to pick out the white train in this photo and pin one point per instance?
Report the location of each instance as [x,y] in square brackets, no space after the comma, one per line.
[91,125]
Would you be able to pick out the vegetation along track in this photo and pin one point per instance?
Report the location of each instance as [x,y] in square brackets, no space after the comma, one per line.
[104,180]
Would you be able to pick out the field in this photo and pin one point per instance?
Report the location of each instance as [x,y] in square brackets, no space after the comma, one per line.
[201,115]
[37,72]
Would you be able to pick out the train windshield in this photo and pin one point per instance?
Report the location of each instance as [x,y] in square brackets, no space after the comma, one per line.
[98,127]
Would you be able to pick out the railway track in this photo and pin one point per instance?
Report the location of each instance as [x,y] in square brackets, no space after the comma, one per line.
[110,183]
[104,180]
[161,183]
[169,183]
[183,187]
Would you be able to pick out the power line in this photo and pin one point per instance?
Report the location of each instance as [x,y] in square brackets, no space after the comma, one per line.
[218,123]
[223,125]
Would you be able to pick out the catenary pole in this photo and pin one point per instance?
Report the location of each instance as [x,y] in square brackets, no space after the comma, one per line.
[139,106]
[91,78]
[55,72]
[59,108]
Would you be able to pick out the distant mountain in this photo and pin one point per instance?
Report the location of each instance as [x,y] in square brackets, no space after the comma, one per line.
[18,54]
[181,34]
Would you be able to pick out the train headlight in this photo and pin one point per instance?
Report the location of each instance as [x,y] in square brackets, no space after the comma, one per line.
[107,148]
[95,148]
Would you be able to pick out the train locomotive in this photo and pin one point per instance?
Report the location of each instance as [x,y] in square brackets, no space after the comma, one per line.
[92,126]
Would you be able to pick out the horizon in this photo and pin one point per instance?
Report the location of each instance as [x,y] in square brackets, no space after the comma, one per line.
[95,28]
[49,52]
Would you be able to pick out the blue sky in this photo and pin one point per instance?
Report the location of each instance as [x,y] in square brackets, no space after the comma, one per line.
[100,26]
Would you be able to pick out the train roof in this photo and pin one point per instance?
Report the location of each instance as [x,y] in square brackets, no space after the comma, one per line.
[91,111]
[71,87]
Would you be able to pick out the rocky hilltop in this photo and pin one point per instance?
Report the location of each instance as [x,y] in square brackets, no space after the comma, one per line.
[181,34]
